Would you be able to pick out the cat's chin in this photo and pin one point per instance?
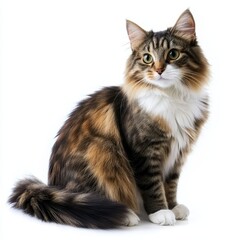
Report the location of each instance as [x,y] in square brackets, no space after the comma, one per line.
[162,82]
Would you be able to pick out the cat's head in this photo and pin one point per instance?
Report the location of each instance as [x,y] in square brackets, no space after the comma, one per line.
[166,59]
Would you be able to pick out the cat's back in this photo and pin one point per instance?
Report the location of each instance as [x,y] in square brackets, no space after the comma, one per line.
[96,111]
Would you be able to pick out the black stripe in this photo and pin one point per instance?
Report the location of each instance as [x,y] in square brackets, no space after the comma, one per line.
[148,185]
[172,176]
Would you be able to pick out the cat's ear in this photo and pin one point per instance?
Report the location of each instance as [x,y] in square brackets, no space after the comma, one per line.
[185,26]
[135,33]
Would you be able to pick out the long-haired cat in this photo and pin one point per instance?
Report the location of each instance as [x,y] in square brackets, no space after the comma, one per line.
[127,143]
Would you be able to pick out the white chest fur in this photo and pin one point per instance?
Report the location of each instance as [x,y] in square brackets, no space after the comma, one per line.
[180,112]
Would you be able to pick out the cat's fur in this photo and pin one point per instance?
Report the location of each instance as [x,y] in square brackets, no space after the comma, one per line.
[129,141]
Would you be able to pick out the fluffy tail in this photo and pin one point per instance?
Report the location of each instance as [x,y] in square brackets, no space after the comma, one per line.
[54,205]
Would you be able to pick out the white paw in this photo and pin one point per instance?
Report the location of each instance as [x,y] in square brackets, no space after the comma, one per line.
[163,217]
[132,219]
[180,211]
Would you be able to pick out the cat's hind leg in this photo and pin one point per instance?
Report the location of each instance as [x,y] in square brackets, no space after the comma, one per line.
[113,175]
[132,219]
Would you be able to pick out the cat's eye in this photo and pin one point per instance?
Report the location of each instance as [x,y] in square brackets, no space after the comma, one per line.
[147,58]
[173,54]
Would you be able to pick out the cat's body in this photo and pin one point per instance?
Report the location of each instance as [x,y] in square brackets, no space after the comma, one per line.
[127,141]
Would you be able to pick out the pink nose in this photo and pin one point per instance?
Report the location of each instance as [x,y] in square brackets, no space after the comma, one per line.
[160,70]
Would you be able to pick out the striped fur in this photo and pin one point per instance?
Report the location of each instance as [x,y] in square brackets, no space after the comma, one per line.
[128,139]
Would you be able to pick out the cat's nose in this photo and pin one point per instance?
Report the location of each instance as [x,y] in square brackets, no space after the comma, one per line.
[160,70]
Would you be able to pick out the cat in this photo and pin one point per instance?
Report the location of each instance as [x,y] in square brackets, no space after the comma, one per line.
[129,142]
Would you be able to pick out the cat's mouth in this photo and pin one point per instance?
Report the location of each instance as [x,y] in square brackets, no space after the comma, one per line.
[161,78]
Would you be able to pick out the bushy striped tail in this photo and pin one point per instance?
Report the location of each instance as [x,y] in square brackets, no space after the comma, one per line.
[54,205]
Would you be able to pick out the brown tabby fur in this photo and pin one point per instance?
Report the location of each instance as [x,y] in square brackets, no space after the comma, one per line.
[111,147]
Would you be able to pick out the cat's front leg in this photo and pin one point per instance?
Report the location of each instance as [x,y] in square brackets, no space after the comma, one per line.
[156,206]
[180,211]
[153,194]
[163,217]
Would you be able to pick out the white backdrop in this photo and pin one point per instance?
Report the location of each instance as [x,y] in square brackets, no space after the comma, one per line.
[55,52]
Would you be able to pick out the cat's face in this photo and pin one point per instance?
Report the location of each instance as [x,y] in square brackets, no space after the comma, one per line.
[167,59]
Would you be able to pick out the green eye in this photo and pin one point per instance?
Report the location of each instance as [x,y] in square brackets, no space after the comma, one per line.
[147,58]
[173,54]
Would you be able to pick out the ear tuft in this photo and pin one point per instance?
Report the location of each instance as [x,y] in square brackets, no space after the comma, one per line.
[135,33]
[185,25]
